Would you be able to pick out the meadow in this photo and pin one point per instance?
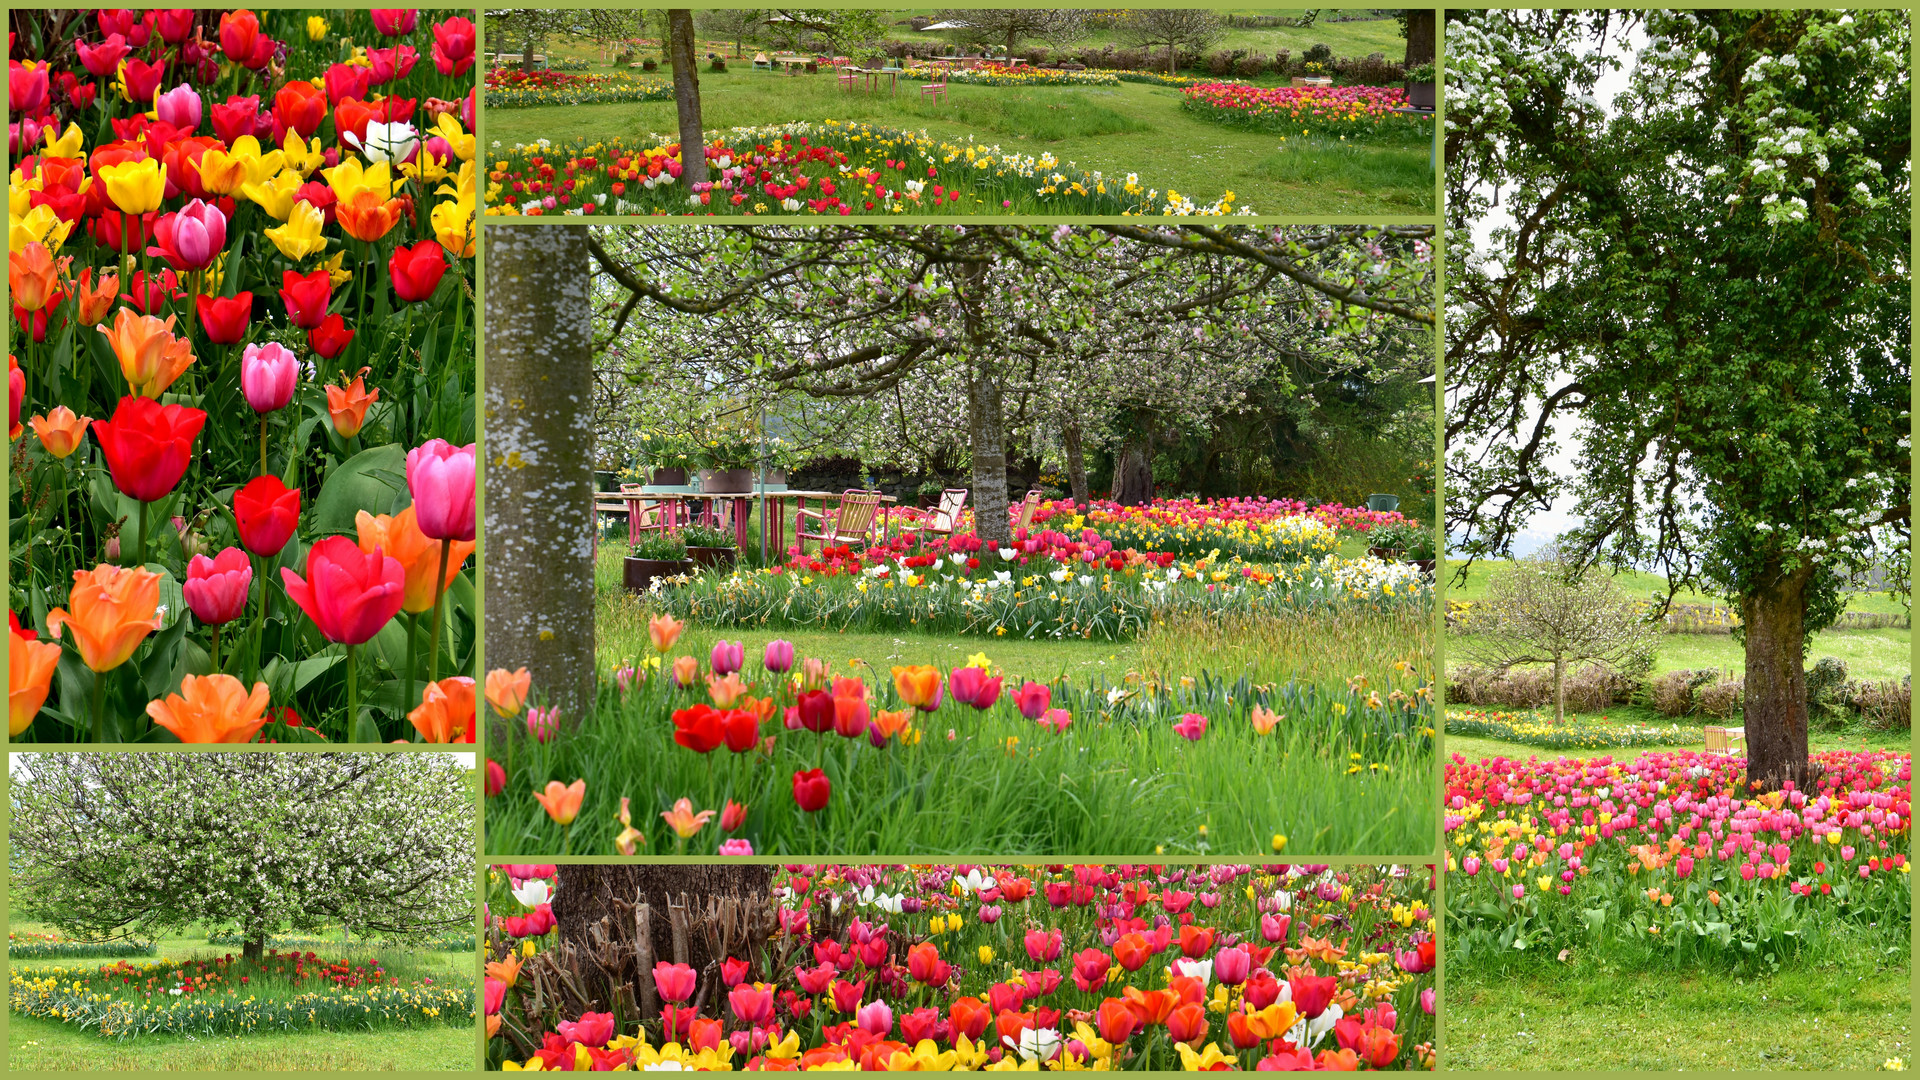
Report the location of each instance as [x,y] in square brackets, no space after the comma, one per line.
[195,1030]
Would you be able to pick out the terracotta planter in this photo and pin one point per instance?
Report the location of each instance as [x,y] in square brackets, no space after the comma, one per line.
[1420,95]
[670,477]
[726,481]
[1389,554]
[712,557]
[638,574]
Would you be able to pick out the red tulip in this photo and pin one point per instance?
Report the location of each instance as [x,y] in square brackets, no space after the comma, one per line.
[331,337]
[394,22]
[440,479]
[103,59]
[699,728]
[267,512]
[417,270]
[348,595]
[148,445]
[496,778]
[346,82]
[752,1003]
[674,981]
[811,789]
[174,24]
[216,588]
[236,118]
[306,297]
[142,78]
[225,318]
[453,44]
[925,965]
[1311,994]
[816,710]
[16,394]
[1187,1024]
[301,106]
[1033,700]
[1090,968]
[1132,951]
[1115,1021]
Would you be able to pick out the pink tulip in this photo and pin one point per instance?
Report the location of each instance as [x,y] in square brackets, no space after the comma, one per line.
[496,995]
[543,724]
[751,1004]
[394,22]
[1043,945]
[267,376]
[728,657]
[875,1018]
[216,588]
[1191,726]
[778,657]
[1519,892]
[675,982]
[1275,927]
[440,478]
[736,846]
[1033,700]
[1231,966]
[179,107]
[969,684]
[191,237]
[592,1029]
[1427,1000]
[1057,719]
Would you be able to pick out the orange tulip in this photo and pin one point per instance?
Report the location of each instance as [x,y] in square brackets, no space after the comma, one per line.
[212,709]
[60,431]
[113,612]
[366,216]
[33,276]
[507,971]
[664,630]
[1263,719]
[347,405]
[889,724]
[96,300]
[1273,1021]
[563,800]
[1149,1006]
[507,691]
[401,539]
[30,666]
[1187,1024]
[725,692]
[919,686]
[445,712]
[150,356]
[685,670]
[683,820]
[493,1025]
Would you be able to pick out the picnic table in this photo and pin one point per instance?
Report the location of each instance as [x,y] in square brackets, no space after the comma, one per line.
[873,77]
[681,506]
[789,62]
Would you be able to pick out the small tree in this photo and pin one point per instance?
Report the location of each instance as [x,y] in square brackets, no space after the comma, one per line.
[108,846]
[1548,609]
[1194,28]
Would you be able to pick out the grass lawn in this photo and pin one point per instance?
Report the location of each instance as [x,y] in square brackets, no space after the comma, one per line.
[1479,749]
[1850,1010]
[1115,130]
[1885,653]
[1638,583]
[37,1043]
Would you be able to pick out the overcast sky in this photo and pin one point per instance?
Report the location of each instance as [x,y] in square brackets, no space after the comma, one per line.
[1544,525]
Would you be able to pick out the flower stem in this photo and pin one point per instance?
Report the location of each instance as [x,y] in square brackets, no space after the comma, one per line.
[99,706]
[353,692]
[413,634]
[439,597]
[140,540]
[263,444]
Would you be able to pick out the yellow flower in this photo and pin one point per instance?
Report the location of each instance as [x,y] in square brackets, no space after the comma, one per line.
[350,177]
[458,139]
[274,196]
[300,236]
[453,227]
[1279,843]
[986,954]
[301,157]
[335,273]
[316,28]
[425,167]
[70,144]
[39,225]
[136,187]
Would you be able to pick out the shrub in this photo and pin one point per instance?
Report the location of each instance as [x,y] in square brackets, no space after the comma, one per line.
[1722,697]
[1885,705]
[661,548]
[1589,688]
[1251,66]
[1282,61]
[1318,54]
[1220,62]
[1671,693]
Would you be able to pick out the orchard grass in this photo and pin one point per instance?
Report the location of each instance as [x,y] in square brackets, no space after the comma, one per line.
[1116,130]
[1479,748]
[1641,584]
[34,1044]
[1845,1009]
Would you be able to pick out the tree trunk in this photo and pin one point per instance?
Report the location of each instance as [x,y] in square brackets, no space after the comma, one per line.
[255,950]
[986,420]
[686,97]
[540,532]
[526,52]
[1559,691]
[1775,705]
[1076,465]
[1133,473]
[1419,37]
[585,895]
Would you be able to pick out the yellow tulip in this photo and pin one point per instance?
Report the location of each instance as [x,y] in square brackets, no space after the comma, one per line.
[316,28]
[425,167]
[350,176]
[136,187]
[70,144]
[274,196]
[453,227]
[300,236]
[458,139]
[301,157]
[41,225]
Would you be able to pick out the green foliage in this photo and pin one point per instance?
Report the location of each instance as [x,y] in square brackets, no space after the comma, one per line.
[707,536]
[661,547]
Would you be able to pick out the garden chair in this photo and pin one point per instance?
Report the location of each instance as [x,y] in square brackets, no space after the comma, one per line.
[1725,740]
[761,63]
[849,76]
[943,518]
[1023,513]
[850,523]
[933,90]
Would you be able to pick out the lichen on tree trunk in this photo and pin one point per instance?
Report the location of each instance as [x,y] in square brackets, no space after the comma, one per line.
[1076,463]
[1774,709]
[538,446]
[986,415]
[686,96]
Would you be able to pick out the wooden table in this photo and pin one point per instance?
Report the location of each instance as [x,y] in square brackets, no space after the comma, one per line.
[873,77]
[677,506]
[791,62]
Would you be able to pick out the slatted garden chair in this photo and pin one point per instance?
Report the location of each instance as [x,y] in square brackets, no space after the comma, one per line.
[1726,740]
[1023,511]
[850,523]
[943,518]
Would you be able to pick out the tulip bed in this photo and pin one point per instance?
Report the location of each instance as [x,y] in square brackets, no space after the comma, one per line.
[793,757]
[1344,111]
[240,254]
[831,168]
[1001,75]
[1011,968]
[513,89]
[1538,729]
[225,996]
[31,945]
[1271,530]
[1668,859]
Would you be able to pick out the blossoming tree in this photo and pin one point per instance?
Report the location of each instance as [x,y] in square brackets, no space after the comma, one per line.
[1704,279]
[108,846]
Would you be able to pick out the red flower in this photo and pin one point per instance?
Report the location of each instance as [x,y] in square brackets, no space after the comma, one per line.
[331,337]
[148,445]
[699,728]
[301,106]
[1187,1024]
[417,270]
[306,297]
[238,32]
[225,318]
[348,594]
[811,789]
[236,117]
[267,512]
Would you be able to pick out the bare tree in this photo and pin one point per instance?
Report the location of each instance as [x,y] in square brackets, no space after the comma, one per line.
[1551,609]
[539,458]
[1147,28]
[739,25]
[1056,26]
